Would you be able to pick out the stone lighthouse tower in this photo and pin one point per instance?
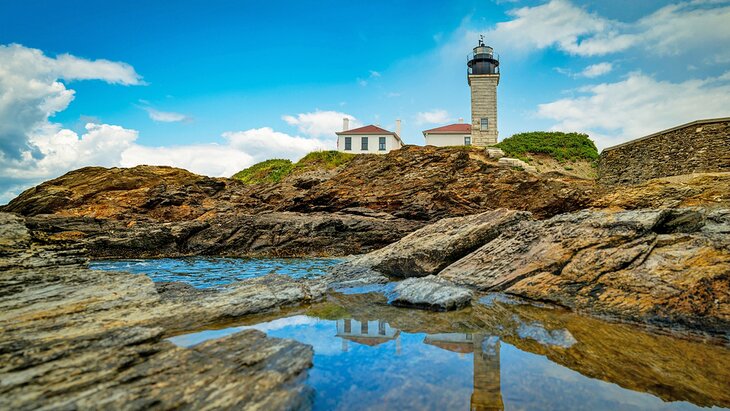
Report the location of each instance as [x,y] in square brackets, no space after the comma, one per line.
[483,77]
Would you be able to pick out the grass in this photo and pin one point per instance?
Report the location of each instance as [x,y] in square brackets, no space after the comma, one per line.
[561,146]
[269,171]
[275,170]
[324,160]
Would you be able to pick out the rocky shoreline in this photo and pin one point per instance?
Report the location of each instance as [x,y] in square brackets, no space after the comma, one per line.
[454,228]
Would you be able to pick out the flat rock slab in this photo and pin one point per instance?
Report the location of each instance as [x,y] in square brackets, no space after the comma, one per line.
[430,293]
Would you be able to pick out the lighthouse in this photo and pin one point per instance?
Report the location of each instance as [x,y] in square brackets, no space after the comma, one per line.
[483,77]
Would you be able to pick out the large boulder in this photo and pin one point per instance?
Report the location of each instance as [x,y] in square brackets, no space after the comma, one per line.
[429,250]
[654,266]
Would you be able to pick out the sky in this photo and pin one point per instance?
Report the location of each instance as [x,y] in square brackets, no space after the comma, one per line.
[216,86]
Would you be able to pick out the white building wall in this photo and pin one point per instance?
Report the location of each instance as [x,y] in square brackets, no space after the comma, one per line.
[391,143]
[444,140]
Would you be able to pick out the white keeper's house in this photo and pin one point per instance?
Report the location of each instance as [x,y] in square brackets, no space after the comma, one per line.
[368,139]
[457,134]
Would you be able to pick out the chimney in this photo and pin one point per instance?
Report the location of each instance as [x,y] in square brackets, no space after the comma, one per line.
[345,124]
[461,120]
[397,127]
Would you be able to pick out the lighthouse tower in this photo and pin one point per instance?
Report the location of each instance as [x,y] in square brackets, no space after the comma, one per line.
[483,77]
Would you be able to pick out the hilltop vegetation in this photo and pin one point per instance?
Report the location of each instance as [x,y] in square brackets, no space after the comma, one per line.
[558,145]
[273,171]
[269,171]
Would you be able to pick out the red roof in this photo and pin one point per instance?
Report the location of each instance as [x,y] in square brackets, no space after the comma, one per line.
[371,129]
[457,128]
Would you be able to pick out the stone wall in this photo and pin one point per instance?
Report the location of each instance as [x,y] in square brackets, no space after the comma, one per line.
[701,146]
[483,105]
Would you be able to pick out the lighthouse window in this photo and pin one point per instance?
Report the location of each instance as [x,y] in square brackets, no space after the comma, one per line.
[381,143]
[348,143]
[364,144]
[484,124]
[467,140]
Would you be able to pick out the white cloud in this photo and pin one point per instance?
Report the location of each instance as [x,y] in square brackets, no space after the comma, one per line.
[595,70]
[435,116]
[320,123]
[374,73]
[166,116]
[73,68]
[638,105]
[263,143]
[672,30]
[215,160]
[32,149]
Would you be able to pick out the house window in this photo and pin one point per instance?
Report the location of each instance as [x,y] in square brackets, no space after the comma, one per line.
[467,140]
[348,143]
[381,143]
[364,144]
[484,124]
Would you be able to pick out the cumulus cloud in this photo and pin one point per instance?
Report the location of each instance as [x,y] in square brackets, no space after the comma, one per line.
[166,116]
[435,116]
[320,123]
[638,105]
[33,149]
[31,91]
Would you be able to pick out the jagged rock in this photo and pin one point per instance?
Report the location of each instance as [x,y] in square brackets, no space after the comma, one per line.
[72,338]
[430,293]
[282,234]
[430,249]
[415,183]
[652,266]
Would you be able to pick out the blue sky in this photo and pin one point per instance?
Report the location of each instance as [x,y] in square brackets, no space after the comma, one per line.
[214,86]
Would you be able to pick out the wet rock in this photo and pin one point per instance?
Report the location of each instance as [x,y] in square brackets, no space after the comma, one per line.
[430,249]
[661,267]
[430,293]
[73,338]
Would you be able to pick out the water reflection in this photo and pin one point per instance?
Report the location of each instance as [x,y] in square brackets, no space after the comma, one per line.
[487,390]
[369,355]
[369,333]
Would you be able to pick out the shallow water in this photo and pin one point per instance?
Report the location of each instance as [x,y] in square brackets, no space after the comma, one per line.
[208,272]
[498,354]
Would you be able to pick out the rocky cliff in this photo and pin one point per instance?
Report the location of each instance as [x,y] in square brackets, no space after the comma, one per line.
[361,206]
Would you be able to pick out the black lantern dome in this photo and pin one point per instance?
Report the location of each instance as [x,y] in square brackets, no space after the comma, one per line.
[483,60]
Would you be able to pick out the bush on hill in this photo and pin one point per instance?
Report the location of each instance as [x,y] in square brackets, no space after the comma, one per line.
[559,145]
[324,159]
[269,171]
[273,171]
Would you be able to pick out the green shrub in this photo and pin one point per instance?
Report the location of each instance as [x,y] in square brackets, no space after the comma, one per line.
[269,171]
[324,159]
[559,145]
[273,171]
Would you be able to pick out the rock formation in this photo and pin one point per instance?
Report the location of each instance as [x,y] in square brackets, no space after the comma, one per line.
[74,338]
[662,267]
